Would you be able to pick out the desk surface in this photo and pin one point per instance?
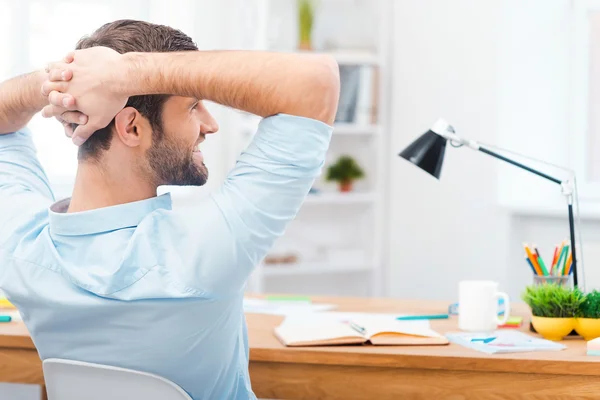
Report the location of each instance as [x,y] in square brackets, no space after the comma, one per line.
[265,347]
[383,372]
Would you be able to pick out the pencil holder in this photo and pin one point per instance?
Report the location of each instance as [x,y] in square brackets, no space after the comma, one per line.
[561,280]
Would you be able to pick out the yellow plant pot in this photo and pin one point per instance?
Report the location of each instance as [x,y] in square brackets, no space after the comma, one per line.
[553,328]
[588,328]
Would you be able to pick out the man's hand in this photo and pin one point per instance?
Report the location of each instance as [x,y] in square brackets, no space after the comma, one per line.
[86,81]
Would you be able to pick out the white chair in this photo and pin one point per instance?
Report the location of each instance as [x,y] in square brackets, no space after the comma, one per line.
[74,380]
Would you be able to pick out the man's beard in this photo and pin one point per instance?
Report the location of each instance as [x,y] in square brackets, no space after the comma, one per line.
[173,164]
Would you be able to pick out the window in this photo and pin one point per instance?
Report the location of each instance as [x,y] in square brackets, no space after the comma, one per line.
[5,33]
[586,96]
[34,32]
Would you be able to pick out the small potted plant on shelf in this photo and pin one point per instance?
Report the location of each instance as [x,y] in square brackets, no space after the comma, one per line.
[306,16]
[344,171]
[554,309]
[587,324]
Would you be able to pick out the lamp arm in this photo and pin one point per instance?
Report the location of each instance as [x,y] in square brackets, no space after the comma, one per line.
[445,130]
[567,190]
[518,164]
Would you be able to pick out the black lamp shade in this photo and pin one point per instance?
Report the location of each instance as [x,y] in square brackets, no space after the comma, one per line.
[427,153]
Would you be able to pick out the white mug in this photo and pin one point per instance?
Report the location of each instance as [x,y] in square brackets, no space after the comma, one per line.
[478,306]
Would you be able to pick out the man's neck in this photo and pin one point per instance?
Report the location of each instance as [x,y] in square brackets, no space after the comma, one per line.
[97,187]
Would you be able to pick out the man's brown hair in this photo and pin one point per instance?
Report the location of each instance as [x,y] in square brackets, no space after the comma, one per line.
[126,36]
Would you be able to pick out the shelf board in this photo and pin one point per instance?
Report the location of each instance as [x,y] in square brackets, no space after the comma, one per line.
[312,268]
[355,129]
[350,57]
[341,198]
[355,57]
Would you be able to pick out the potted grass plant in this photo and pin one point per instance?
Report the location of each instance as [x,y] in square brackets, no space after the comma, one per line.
[554,309]
[587,324]
[306,16]
[344,171]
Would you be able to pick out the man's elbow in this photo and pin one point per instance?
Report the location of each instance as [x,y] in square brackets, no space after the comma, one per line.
[325,88]
[10,128]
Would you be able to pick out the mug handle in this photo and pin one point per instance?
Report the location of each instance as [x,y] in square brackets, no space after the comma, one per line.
[504,319]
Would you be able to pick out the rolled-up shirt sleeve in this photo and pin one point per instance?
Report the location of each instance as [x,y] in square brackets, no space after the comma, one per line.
[24,186]
[235,228]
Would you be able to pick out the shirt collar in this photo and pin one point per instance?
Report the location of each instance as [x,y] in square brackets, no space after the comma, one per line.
[105,219]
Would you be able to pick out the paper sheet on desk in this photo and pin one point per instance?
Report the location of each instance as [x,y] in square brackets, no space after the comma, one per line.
[14,314]
[357,317]
[285,308]
[502,341]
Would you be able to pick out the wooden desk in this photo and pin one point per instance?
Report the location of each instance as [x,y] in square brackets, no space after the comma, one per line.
[369,372]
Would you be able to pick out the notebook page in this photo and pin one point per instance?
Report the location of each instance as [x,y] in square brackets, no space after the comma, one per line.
[307,329]
[376,325]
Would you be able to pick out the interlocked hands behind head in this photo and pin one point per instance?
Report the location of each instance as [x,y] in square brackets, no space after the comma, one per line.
[83,91]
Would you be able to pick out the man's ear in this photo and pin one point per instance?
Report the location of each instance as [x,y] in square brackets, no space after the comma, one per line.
[132,129]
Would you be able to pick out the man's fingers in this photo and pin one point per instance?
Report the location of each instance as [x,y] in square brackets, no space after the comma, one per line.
[62,100]
[48,87]
[62,65]
[60,75]
[66,126]
[52,111]
[70,57]
[68,130]
[74,117]
[82,133]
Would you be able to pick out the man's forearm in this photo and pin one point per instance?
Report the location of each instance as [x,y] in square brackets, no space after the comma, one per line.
[261,83]
[20,100]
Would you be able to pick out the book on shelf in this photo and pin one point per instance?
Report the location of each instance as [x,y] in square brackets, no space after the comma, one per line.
[359,90]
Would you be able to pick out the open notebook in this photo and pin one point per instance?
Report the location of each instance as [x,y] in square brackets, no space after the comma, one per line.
[335,329]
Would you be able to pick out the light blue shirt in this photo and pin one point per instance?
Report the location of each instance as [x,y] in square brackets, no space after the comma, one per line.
[141,285]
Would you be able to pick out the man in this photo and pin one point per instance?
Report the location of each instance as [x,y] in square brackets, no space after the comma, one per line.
[114,275]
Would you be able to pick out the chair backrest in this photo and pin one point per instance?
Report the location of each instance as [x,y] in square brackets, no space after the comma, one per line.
[74,380]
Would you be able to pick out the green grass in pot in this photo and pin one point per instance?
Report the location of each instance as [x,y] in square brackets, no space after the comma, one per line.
[553,301]
[590,308]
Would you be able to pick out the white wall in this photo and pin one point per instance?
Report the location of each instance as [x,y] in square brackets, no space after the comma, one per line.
[446,64]
[500,72]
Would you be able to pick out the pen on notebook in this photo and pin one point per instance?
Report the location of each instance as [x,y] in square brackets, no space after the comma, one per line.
[357,328]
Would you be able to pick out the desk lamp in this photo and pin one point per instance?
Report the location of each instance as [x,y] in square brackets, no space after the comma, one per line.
[427,153]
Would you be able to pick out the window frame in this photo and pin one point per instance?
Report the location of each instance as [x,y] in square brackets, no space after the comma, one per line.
[588,189]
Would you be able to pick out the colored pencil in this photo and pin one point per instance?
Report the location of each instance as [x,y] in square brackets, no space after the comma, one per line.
[533,260]
[570,268]
[560,249]
[566,255]
[531,265]
[540,261]
[559,270]
[554,258]
[568,263]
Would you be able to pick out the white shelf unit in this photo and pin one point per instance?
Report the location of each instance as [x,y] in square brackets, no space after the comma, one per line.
[316,268]
[352,57]
[367,204]
[356,129]
[341,198]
